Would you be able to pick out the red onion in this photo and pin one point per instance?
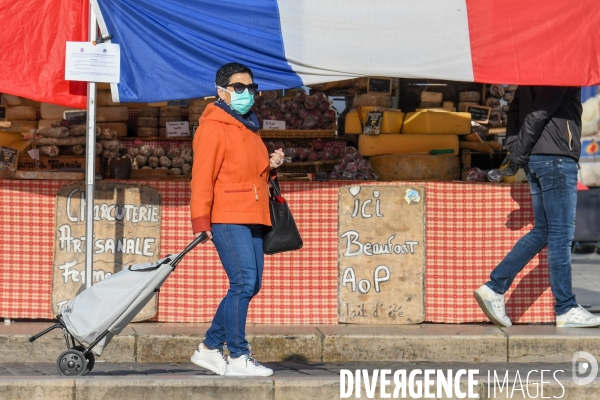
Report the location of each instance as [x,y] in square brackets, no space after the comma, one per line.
[329,115]
[324,106]
[316,113]
[275,104]
[328,145]
[279,145]
[270,95]
[288,116]
[320,97]
[350,150]
[255,109]
[358,157]
[326,155]
[336,151]
[351,167]
[303,113]
[370,176]
[285,105]
[335,176]
[348,176]
[318,144]
[339,167]
[359,176]
[300,97]
[302,153]
[322,122]
[270,117]
[363,165]
[348,158]
[265,110]
[313,156]
[296,107]
[297,122]
[259,100]
[310,102]
[310,122]
[278,115]
[290,152]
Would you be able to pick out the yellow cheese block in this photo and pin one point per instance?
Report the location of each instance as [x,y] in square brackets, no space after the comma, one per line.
[377,145]
[437,122]
[390,123]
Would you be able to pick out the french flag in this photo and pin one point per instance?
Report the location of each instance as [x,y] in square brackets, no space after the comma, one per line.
[171,49]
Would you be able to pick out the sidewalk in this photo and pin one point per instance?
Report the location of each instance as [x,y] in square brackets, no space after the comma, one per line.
[151,360]
[291,380]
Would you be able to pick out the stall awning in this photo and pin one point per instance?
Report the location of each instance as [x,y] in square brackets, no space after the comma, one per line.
[32,49]
[172,48]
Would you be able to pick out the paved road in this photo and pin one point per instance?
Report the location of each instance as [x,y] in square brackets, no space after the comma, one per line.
[586,279]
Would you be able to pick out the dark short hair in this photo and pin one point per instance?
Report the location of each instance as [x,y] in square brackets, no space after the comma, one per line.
[226,71]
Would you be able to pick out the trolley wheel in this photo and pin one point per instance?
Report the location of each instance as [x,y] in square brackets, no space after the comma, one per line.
[71,363]
[89,357]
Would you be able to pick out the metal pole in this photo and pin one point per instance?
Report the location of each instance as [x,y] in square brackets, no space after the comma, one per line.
[90,168]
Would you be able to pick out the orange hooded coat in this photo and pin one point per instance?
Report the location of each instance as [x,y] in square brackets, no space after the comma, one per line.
[230,173]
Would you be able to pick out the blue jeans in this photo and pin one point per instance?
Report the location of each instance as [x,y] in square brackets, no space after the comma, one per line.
[241,252]
[553,183]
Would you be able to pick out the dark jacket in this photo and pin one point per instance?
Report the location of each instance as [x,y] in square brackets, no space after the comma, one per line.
[546,120]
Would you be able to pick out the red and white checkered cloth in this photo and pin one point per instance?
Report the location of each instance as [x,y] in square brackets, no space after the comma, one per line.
[470,227]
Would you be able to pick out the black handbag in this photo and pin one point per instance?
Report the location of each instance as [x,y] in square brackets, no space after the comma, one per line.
[283,235]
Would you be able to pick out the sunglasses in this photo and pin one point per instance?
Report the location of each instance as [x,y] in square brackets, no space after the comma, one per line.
[240,87]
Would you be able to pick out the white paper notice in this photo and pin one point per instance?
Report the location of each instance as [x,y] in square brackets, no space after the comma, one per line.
[178,129]
[89,63]
[273,125]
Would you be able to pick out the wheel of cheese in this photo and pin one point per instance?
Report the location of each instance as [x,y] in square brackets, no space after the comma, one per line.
[404,167]
[377,145]
[462,106]
[469,96]
[21,113]
[448,104]
[170,111]
[10,100]
[53,111]
[21,126]
[159,104]
[151,112]
[429,104]
[162,121]
[162,132]
[119,127]
[432,97]
[194,117]
[112,114]
[147,121]
[202,102]
[373,99]
[147,132]
[104,99]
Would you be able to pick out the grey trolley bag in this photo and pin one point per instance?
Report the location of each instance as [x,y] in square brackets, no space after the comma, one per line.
[91,319]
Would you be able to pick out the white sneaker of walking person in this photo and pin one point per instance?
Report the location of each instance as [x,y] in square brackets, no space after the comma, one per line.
[577,317]
[213,360]
[246,365]
[492,305]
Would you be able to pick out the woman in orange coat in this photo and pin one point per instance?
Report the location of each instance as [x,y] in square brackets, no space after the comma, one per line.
[230,202]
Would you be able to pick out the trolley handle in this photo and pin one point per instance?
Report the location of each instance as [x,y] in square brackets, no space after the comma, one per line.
[200,239]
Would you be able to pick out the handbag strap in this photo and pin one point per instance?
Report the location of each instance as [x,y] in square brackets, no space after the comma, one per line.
[275,185]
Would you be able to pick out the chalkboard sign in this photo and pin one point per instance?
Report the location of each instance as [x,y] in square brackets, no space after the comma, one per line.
[379,85]
[2,113]
[479,113]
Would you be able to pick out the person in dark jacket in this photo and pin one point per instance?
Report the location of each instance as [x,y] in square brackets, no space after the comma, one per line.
[543,138]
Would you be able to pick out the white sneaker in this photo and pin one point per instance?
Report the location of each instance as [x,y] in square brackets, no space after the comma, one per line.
[492,305]
[577,317]
[213,360]
[246,365]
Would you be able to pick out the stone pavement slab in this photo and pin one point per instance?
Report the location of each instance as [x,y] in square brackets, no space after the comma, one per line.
[547,343]
[423,342]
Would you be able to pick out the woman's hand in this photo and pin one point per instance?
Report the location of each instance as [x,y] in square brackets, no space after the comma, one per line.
[277,158]
[208,233]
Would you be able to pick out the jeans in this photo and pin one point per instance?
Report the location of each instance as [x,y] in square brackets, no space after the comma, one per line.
[241,253]
[553,183]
